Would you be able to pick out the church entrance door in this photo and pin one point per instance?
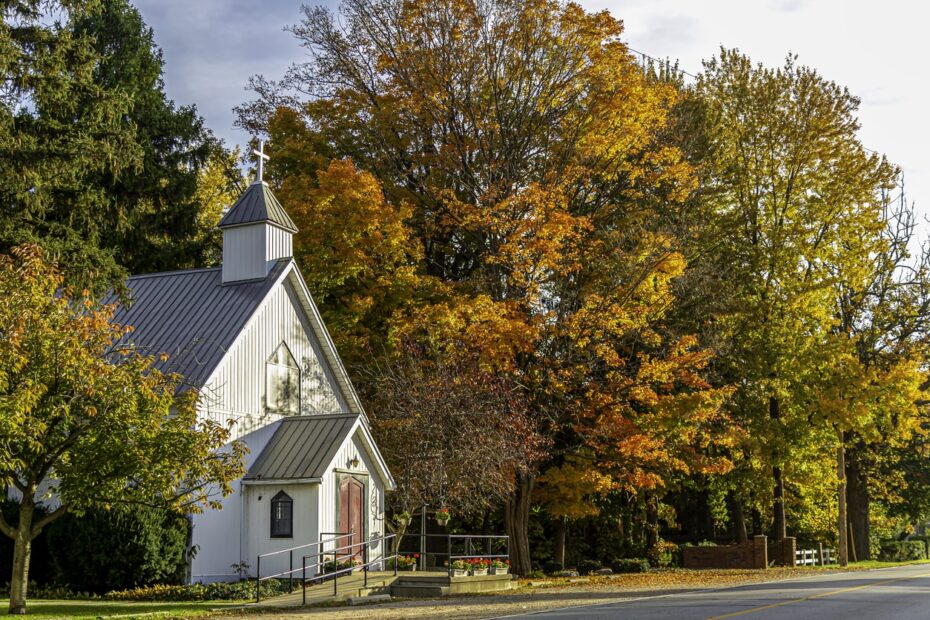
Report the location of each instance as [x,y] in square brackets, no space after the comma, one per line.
[351,506]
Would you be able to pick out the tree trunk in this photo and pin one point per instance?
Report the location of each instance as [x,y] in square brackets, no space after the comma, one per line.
[652,521]
[756,522]
[779,527]
[517,523]
[559,551]
[857,505]
[779,523]
[22,549]
[842,536]
[739,519]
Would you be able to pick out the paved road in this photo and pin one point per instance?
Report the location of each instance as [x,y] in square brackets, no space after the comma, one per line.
[891,593]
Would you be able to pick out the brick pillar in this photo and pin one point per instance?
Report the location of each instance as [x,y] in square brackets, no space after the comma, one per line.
[760,552]
[788,548]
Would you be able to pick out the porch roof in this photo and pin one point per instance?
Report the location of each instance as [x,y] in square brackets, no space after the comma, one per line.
[303,447]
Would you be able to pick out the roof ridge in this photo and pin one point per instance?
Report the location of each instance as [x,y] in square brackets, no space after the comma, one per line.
[159,274]
[305,417]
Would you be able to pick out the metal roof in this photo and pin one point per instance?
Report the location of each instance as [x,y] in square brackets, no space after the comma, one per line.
[191,315]
[257,204]
[303,447]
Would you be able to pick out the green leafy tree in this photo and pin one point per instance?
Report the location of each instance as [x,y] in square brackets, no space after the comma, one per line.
[794,191]
[86,422]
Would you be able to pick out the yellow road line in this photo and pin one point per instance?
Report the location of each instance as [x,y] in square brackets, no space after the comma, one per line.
[814,596]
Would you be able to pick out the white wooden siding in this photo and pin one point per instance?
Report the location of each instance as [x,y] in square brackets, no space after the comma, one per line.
[236,391]
[244,253]
[250,252]
[219,535]
[258,526]
[278,244]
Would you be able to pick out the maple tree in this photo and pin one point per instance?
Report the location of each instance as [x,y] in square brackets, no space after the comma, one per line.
[522,156]
[86,421]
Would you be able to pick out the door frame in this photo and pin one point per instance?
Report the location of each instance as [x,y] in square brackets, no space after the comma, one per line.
[363,479]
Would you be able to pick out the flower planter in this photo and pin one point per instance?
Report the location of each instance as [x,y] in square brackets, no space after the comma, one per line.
[409,568]
[459,572]
[500,571]
[442,522]
[479,572]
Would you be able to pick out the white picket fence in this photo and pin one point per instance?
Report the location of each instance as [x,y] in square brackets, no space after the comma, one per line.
[812,557]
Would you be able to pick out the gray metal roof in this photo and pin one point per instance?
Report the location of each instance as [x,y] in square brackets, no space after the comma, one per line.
[302,447]
[191,315]
[257,204]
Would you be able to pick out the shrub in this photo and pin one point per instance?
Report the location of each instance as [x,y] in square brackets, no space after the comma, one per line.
[631,565]
[926,541]
[220,591]
[551,567]
[664,554]
[586,567]
[45,592]
[902,550]
[118,549]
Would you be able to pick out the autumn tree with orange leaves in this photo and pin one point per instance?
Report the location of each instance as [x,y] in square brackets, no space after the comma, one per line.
[508,162]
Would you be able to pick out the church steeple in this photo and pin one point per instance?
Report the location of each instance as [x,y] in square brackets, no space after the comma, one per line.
[256,232]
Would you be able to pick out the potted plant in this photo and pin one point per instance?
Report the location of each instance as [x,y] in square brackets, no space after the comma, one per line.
[402,519]
[442,516]
[479,567]
[408,562]
[500,567]
[459,568]
[337,565]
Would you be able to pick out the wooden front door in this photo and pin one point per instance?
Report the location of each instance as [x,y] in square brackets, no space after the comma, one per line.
[351,515]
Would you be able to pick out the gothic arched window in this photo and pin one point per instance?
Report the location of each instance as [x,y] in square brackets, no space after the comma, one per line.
[282,389]
[282,516]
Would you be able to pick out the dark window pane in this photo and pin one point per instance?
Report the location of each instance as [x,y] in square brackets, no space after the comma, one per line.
[282,509]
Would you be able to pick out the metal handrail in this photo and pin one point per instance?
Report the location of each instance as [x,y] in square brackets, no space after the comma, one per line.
[364,547]
[469,551]
[290,573]
[335,574]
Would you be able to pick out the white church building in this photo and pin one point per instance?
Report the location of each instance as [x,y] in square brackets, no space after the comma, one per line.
[249,337]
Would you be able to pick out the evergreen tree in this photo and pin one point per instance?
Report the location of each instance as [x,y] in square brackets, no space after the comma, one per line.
[97,165]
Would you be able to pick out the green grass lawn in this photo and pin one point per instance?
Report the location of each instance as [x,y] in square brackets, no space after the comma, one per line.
[877,564]
[105,609]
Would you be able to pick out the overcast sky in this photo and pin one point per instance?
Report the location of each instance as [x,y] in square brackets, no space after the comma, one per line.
[877,49]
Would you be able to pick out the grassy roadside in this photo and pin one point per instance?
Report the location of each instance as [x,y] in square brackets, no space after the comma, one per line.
[872,564]
[580,589]
[47,609]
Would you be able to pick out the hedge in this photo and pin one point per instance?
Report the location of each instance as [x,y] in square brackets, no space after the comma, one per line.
[901,550]
[103,550]
[220,591]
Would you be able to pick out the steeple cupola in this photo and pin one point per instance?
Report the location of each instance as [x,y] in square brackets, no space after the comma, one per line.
[257,232]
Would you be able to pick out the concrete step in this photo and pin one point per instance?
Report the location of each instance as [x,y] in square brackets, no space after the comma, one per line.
[369,600]
[419,591]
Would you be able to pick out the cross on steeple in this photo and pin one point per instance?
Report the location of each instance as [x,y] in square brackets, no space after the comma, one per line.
[262,158]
